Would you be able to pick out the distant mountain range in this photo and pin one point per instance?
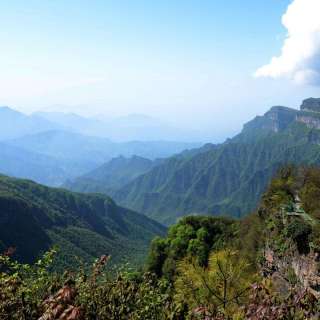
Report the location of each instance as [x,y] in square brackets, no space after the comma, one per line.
[48,148]
[223,179]
[95,150]
[14,124]
[136,127]
[18,162]
[227,179]
[34,218]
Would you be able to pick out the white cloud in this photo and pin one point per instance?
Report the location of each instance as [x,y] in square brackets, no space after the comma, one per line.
[300,55]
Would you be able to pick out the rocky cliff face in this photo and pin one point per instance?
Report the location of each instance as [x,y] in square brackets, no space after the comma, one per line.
[311,104]
[293,269]
[309,119]
[276,119]
[310,113]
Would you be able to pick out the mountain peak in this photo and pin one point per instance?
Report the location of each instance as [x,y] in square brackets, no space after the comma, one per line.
[311,104]
[276,119]
[279,109]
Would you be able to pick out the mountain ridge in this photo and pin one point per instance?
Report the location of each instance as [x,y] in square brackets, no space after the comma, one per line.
[34,218]
[218,180]
[15,124]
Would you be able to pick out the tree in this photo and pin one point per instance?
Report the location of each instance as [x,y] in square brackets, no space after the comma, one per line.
[217,289]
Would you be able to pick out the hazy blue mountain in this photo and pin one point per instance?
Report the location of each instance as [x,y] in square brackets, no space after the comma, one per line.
[47,148]
[76,123]
[66,145]
[112,175]
[15,124]
[126,128]
[227,178]
[34,218]
[21,163]
[95,150]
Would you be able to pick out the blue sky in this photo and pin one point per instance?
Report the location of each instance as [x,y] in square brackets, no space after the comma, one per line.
[187,61]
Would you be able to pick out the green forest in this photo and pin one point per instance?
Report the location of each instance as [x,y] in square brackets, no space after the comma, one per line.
[35,218]
[264,266]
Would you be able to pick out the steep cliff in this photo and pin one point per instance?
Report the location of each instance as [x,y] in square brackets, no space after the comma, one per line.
[310,113]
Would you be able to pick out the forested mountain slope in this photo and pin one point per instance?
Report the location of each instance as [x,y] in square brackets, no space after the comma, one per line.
[228,178]
[34,218]
[112,175]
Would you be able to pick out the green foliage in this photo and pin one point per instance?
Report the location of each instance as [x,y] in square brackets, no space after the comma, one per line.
[250,239]
[206,268]
[280,192]
[157,255]
[193,237]
[22,286]
[32,292]
[221,288]
[310,191]
[35,217]
[286,222]
[298,230]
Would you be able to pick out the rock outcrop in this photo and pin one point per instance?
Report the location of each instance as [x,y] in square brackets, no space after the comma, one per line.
[276,119]
[302,269]
[311,104]
[310,113]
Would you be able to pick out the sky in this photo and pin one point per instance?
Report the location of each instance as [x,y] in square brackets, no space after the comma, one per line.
[208,65]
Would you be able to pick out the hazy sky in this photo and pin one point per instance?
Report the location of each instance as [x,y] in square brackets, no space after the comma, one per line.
[189,61]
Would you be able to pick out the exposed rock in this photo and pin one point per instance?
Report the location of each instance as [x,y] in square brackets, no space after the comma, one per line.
[306,270]
[309,120]
[311,104]
[276,119]
[310,113]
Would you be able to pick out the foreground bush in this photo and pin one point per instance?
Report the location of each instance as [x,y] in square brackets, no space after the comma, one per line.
[32,292]
[221,291]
